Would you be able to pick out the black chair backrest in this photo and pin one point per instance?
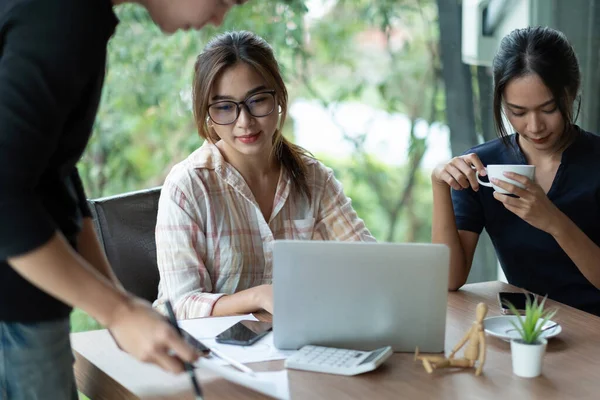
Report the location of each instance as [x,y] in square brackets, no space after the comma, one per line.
[125,225]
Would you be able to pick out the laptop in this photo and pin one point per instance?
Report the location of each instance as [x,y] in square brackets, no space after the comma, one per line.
[360,295]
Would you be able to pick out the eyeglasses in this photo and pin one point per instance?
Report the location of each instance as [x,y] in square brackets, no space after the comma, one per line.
[227,111]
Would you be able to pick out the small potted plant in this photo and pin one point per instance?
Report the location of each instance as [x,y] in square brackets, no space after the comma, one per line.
[528,350]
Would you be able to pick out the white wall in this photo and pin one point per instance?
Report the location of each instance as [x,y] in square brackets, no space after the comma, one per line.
[479,49]
[517,16]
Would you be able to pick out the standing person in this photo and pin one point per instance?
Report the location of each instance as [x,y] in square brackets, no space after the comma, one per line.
[52,66]
[546,235]
[221,208]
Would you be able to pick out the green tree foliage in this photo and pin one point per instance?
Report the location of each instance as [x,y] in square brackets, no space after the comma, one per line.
[385,54]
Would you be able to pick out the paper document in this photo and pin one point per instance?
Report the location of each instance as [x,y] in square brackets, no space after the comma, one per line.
[274,384]
[206,329]
[263,350]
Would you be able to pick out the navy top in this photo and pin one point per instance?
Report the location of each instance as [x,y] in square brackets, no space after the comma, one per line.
[531,258]
[52,64]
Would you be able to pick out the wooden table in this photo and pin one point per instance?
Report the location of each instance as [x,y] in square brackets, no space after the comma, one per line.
[571,366]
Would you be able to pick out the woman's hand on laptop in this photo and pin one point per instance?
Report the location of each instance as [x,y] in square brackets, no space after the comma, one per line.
[264,297]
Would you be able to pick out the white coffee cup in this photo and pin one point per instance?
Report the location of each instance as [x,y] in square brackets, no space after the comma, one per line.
[497,171]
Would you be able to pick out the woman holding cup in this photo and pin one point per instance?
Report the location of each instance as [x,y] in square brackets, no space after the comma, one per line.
[542,213]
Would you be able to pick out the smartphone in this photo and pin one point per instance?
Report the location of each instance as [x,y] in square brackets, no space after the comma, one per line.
[244,333]
[516,299]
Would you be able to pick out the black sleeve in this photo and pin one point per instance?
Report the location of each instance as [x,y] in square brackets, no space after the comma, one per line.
[81,197]
[468,210]
[45,46]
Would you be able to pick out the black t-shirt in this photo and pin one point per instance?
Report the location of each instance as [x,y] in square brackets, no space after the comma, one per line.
[531,258]
[52,66]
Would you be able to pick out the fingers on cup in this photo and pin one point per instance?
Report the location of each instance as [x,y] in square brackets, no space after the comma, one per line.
[458,175]
[509,187]
[474,160]
[507,200]
[469,172]
[522,179]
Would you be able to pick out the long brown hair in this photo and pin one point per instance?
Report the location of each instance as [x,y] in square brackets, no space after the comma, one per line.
[226,50]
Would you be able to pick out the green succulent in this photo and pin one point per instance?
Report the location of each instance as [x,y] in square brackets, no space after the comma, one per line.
[528,327]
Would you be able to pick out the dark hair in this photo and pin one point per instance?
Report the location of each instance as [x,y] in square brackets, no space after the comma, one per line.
[547,53]
[225,51]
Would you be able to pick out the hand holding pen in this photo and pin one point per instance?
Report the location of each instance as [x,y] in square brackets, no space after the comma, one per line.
[145,334]
[199,346]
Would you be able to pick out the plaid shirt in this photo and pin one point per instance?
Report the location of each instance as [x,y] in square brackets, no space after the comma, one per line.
[212,238]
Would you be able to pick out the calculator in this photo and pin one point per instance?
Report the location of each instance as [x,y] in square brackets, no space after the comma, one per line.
[331,360]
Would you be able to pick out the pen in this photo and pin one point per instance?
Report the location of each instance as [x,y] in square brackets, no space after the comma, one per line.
[188,366]
[232,362]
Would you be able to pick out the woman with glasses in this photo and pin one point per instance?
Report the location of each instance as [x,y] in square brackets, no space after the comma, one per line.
[221,209]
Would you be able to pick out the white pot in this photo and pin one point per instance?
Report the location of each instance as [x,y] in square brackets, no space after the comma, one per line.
[527,358]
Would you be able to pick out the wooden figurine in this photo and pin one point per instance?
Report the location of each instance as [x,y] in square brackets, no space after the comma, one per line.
[474,352]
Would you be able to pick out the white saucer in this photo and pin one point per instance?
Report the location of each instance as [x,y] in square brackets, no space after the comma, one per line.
[497,326]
